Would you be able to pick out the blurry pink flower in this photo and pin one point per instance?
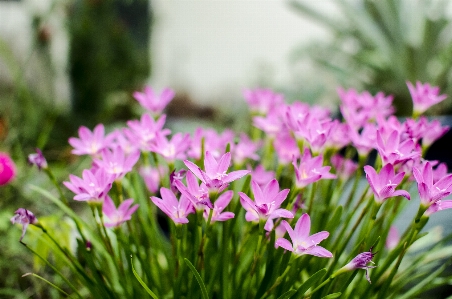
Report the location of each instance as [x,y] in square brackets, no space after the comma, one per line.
[91,143]
[152,102]
[7,169]
[24,217]
[214,142]
[260,175]
[116,163]
[177,210]
[271,124]
[424,96]
[394,151]
[433,132]
[383,184]
[37,159]
[429,191]
[364,141]
[266,204]
[302,242]
[245,149]
[438,206]
[197,194]
[310,169]
[218,207]
[152,177]
[262,101]
[345,168]
[171,150]
[393,238]
[93,186]
[174,177]
[215,176]
[143,132]
[115,217]
[286,148]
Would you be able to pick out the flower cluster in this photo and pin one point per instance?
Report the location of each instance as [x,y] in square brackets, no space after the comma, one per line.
[233,213]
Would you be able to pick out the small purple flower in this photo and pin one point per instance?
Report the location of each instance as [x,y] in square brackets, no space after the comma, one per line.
[215,176]
[266,204]
[37,159]
[24,217]
[310,170]
[153,102]
[360,262]
[383,184]
[177,210]
[424,96]
[245,149]
[262,101]
[115,217]
[302,242]
[91,143]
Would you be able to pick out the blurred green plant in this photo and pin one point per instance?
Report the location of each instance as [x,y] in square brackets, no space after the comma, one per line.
[381,44]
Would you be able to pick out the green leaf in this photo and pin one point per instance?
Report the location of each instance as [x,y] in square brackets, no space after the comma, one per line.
[418,288]
[141,281]
[198,278]
[287,294]
[308,283]
[332,296]
[334,222]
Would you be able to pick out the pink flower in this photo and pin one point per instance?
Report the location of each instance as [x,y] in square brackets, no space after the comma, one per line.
[262,101]
[197,194]
[176,210]
[213,142]
[37,159]
[218,207]
[429,191]
[245,149]
[424,96]
[215,176]
[152,102]
[24,217]
[302,242]
[271,124]
[91,143]
[438,206]
[115,217]
[393,238]
[310,170]
[116,163]
[173,149]
[261,176]
[286,148]
[394,151]
[345,168]
[143,132]
[152,177]
[383,184]
[360,262]
[93,186]
[266,204]
[7,169]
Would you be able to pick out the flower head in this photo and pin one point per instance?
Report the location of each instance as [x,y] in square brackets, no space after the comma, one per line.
[7,169]
[152,102]
[177,210]
[310,169]
[383,184]
[360,262]
[37,159]
[430,191]
[92,186]
[24,217]
[215,177]
[266,204]
[221,203]
[115,217]
[302,242]
[424,96]
[91,143]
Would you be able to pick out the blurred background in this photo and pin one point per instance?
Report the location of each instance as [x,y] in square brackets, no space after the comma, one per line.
[66,63]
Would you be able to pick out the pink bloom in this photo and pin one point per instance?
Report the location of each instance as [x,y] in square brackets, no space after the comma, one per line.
[116,163]
[176,210]
[393,238]
[37,159]
[286,148]
[245,149]
[438,206]
[429,191]
[152,177]
[310,170]
[143,131]
[91,143]
[266,204]
[173,149]
[197,194]
[115,217]
[345,168]
[261,176]
[93,186]
[383,184]
[424,96]
[213,142]
[262,101]
[433,132]
[394,151]
[24,217]
[218,207]
[271,124]
[174,177]
[364,142]
[302,242]
[360,262]
[215,176]
[152,102]
[7,169]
